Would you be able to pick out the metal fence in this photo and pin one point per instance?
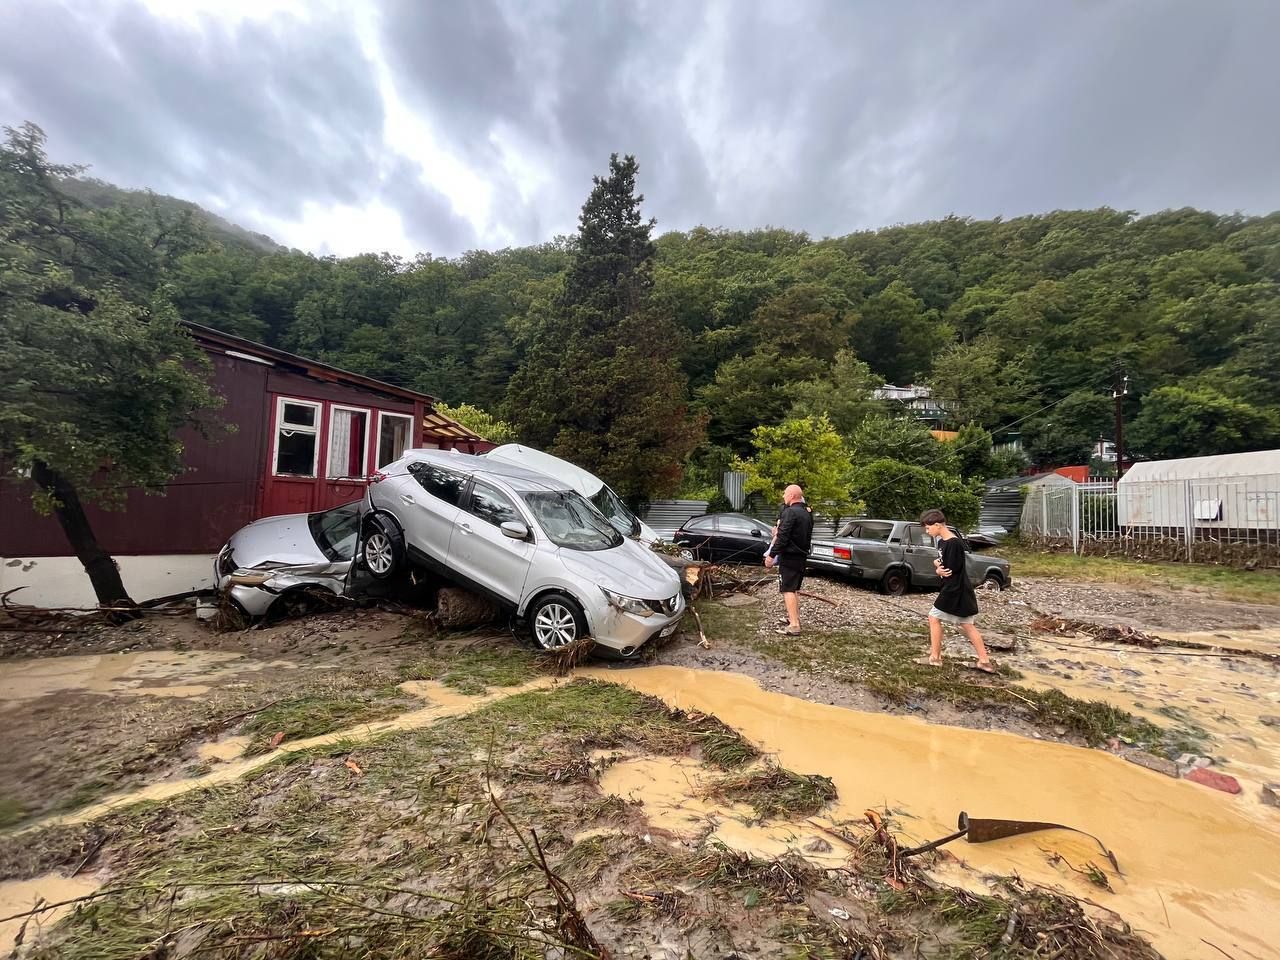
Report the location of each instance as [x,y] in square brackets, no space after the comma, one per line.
[1208,520]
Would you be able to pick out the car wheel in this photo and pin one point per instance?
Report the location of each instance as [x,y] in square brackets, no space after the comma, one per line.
[894,583]
[380,553]
[555,621]
[992,581]
[687,555]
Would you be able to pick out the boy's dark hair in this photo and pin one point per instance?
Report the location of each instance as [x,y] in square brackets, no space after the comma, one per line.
[932,516]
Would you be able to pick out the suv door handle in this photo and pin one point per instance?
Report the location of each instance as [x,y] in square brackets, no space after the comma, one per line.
[407,499]
[465,526]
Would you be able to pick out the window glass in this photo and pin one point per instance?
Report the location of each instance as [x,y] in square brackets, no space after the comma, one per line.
[334,531]
[570,521]
[917,537]
[739,526]
[701,524]
[867,530]
[615,511]
[439,482]
[348,431]
[492,505]
[393,438]
[297,439]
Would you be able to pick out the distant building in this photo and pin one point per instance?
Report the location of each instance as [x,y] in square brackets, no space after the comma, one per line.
[916,402]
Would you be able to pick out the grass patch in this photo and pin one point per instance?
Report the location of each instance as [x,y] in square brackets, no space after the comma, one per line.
[734,624]
[1225,583]
[774,792]
[473,670]
[884,662]
[315,715]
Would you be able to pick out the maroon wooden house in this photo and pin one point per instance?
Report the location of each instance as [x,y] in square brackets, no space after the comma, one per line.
[306,436]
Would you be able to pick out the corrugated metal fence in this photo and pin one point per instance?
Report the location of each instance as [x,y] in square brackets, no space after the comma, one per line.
[1223,519]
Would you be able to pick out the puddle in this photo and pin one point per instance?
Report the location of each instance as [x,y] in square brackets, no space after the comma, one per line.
[443,702]
[1206,858]
[19,895]
[124,673]
[228,748]
[674,796]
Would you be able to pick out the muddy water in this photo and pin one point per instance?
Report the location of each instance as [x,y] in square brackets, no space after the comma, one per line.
[148,674]
[1225,697]
[1184,849]
[443,702]
[19,895]
[227,748]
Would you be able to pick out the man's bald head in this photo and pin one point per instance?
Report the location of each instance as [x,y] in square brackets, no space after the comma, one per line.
[793,494]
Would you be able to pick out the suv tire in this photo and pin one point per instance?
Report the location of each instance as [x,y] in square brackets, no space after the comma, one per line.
[555,621]
[381,552]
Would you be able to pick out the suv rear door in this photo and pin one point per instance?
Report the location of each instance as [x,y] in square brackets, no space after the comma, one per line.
[481,552]
[430,511]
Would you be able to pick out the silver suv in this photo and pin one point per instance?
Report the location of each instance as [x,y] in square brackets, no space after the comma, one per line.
[525,540]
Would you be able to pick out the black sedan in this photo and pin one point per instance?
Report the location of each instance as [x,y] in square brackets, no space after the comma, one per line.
[724,538]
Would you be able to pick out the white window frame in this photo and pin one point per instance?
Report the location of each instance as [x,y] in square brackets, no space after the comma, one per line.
[377,440]
[317,430]
[328,442]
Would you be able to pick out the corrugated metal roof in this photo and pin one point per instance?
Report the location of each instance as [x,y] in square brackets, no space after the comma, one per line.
[1193,468]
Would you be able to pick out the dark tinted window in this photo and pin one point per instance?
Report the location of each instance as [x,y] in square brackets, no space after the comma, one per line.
[439,482]
[742,526]
[492,505]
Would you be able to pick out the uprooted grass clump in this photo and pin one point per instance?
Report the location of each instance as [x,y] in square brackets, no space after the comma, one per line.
[472,664]
[775,792]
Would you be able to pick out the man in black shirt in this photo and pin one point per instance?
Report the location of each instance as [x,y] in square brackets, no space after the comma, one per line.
[789,552]
[957,603]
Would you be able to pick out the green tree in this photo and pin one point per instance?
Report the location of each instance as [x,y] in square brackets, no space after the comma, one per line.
[897,335]
[809,452]
[96,375]
[478,421]
[893,490]
[901,439]
[844,394]
[601,384]
[974,456]
[1199,421]
[1066,434]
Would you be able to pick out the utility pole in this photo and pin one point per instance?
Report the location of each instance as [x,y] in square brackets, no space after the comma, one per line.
[1120,390]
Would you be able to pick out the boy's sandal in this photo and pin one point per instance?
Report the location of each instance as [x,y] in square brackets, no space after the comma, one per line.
[928,661]
[987,667]
[788,632]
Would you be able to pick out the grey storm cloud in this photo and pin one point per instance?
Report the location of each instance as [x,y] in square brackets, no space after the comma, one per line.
[825,115]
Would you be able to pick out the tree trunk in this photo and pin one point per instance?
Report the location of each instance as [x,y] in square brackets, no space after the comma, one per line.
[102,570]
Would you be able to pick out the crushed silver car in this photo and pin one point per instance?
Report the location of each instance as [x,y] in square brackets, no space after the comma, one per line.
[526,540]
[278,556]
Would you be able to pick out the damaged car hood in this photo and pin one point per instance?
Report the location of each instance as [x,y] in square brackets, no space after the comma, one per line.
[629,569]
[284,540]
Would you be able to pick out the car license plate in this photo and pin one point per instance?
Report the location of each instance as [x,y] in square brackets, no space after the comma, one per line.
[822,551]
[669,629]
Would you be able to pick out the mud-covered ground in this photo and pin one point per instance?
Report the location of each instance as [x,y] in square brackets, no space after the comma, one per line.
[431,826]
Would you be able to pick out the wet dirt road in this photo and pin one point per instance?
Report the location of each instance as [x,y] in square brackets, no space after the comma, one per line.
[1203,858]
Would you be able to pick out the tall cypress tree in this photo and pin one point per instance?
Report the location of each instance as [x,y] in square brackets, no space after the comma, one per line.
[601,383]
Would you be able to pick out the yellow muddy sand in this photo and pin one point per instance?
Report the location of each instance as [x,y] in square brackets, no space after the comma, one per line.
[443,702]
[227,748]
[149,674]
[1205,858]
[19,895]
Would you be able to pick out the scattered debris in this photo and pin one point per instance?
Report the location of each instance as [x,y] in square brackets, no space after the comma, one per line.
[1269,721]
[456,608]
[976,830]
[1271,794]
[1151,762]
[1047,623]
[1214,779]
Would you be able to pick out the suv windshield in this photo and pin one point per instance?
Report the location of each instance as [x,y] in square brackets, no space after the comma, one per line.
[616,512]
[334,531]
[570,521]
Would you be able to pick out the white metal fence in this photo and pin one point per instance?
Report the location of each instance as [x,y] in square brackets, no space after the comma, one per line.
[1222,519]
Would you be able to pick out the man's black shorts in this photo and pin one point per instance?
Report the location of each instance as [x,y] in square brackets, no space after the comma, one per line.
[791,573]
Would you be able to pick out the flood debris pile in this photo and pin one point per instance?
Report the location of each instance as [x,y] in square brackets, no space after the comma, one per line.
[488,835]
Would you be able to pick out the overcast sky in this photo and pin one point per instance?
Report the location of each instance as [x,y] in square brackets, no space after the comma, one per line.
[444,125]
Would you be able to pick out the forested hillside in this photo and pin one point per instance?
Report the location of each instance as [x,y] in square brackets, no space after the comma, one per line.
[1003,318]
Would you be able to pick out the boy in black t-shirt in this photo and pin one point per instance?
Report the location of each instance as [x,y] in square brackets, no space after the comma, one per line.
[956,603]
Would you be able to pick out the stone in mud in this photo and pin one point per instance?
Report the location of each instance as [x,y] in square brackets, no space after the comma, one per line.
[1214,779]
[1271,794]
[1270,721]
[1152,762]
[817,845]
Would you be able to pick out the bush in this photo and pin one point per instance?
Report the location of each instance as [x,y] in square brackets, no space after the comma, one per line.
[719,503]
[893,490]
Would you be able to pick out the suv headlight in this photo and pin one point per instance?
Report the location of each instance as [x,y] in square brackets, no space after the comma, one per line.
[627,604]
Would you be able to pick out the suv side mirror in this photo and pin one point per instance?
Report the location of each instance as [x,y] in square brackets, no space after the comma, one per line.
[755,532]
[514,529]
